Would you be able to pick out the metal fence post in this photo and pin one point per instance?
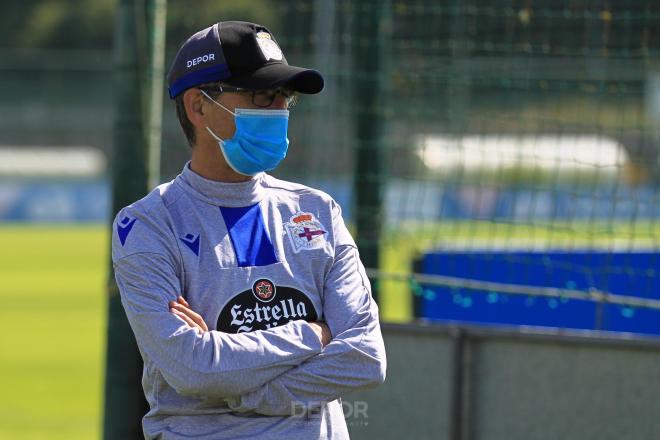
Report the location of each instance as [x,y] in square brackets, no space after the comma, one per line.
[370,40]
[138,48]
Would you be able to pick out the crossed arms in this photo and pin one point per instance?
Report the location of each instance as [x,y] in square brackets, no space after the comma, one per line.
[265,371]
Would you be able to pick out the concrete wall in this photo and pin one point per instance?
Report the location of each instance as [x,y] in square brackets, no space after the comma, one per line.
[475,383]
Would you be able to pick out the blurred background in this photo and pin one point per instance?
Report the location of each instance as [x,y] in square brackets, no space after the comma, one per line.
[498,161]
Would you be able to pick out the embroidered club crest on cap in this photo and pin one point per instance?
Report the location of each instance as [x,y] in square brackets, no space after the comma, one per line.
[305,232]
[268,47]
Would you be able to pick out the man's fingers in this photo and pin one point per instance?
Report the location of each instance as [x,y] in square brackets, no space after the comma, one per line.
[185,317]
[194,316]
[190,314]
[183,301]
[322,331]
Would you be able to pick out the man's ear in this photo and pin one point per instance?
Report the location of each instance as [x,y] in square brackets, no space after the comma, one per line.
[194,103]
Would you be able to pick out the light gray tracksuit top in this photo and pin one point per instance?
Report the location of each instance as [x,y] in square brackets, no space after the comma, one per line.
[257,260]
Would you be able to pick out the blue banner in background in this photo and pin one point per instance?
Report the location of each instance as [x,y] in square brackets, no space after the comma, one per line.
[562,202]
[432,201]
[89,201]
[55,201]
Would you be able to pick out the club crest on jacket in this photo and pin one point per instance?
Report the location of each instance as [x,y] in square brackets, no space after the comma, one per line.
[305,232]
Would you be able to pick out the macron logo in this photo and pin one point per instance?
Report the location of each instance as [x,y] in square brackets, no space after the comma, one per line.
[124,228]
[199,60]
[192,242]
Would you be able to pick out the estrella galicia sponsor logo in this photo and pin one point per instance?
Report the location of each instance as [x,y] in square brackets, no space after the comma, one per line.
[265,306]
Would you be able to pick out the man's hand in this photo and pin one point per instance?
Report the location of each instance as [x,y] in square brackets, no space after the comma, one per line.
[323,332]
[182,309]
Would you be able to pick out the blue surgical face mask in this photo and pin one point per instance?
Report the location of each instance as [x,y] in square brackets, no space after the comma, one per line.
[260,141]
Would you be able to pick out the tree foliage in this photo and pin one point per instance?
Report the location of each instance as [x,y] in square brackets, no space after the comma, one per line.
[85,24]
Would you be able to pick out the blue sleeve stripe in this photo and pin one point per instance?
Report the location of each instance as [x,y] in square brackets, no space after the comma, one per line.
[201,76]
[248,235]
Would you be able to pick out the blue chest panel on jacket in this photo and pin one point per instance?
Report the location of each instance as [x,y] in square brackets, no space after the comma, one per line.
[251,242]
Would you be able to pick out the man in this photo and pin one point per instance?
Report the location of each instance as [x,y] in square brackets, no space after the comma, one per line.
[249,303]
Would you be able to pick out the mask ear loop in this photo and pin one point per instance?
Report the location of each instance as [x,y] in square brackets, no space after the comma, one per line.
[216,102]
[215,136]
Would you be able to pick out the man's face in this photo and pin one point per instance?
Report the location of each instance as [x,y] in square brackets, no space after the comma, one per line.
[222,122]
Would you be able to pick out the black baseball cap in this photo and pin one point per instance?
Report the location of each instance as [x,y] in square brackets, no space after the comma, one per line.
[240,54]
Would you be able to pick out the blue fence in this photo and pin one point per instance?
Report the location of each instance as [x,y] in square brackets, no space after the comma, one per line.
[624,273]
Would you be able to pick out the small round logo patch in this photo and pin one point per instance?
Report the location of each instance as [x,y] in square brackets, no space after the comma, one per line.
[264,290]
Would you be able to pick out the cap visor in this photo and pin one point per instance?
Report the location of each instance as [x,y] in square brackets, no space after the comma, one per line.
[301,80]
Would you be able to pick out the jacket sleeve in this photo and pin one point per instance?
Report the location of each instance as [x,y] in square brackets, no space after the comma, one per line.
[354,359]
[211,364]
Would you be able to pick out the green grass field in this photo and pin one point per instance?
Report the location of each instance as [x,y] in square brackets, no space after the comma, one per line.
[52,344]
[52,287]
